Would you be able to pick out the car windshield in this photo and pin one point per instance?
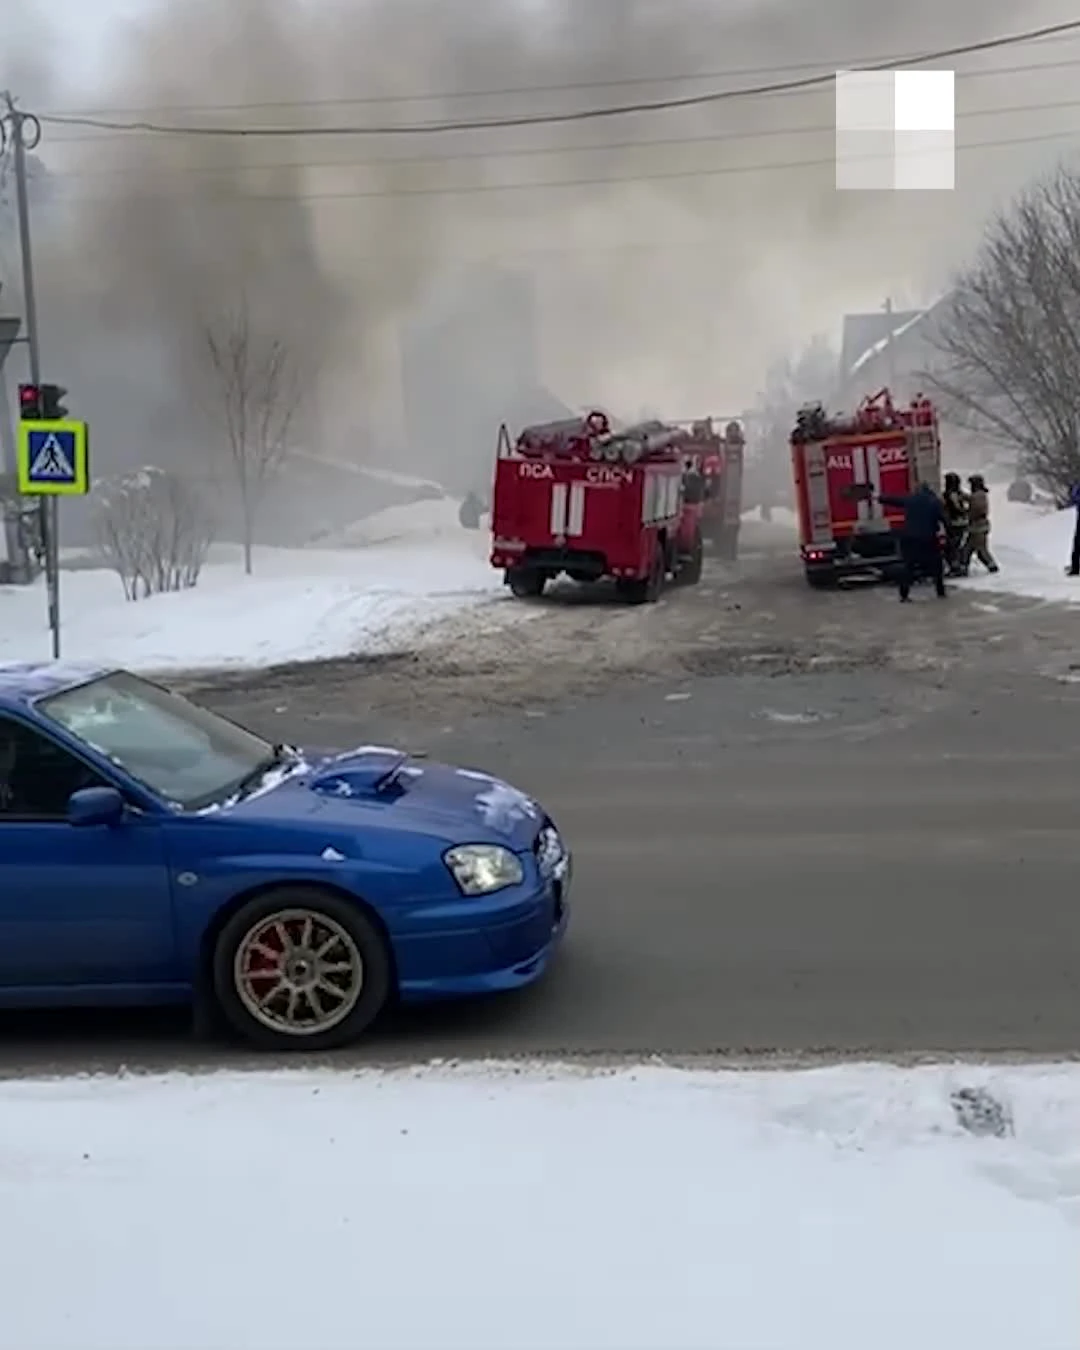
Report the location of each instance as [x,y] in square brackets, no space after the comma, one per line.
[183,753]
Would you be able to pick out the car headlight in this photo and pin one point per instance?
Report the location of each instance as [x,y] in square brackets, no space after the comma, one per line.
[480,869]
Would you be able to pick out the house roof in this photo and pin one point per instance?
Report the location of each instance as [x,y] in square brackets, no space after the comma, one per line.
[902,324]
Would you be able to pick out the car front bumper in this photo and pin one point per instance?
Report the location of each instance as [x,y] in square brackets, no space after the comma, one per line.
[487,946]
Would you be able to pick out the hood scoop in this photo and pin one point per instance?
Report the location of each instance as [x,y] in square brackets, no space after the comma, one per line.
[371,774]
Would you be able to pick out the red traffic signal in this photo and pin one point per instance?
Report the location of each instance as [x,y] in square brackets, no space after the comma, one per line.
[30,402]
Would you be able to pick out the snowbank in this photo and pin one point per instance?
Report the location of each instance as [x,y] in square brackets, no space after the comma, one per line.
[417,521]
[301,604]
[1031,545]
[520,1209]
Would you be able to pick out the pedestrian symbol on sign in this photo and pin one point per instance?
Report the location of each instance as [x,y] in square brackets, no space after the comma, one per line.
[51,461]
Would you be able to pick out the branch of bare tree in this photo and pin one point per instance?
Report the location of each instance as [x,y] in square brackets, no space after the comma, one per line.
[1009,336]
[258,389]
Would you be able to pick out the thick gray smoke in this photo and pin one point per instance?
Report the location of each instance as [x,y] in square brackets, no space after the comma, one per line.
[668,290]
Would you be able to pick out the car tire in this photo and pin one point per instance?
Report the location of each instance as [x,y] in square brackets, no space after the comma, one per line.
[256,998]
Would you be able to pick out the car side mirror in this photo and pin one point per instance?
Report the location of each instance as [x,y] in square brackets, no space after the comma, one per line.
[95,806]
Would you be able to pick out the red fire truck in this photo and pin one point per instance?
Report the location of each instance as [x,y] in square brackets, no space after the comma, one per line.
[842,465]
[719,460]
[579,497]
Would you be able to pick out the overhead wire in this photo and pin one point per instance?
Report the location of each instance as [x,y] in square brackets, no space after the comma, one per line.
[557,118]
[573,86]
[592,182]
[529,152]
[88,137]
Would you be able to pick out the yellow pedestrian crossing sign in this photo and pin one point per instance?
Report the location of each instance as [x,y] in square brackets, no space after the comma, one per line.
[54,459]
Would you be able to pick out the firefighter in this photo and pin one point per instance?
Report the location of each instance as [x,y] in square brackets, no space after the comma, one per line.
[472,508]
[956,516]
[920,538]
[977,543]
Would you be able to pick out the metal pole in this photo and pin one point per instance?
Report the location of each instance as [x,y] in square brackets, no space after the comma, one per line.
[25,132]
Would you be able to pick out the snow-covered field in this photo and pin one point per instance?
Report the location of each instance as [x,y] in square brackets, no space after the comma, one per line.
[517,1208]
[300,604]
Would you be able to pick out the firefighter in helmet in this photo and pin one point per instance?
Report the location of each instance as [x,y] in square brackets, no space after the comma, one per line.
[978,535]
[956,518]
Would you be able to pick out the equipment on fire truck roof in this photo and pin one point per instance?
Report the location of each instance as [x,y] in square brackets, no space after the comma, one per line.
[591,437]
[875,413]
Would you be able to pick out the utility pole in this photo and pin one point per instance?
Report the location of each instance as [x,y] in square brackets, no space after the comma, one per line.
[16,559]
[23,132]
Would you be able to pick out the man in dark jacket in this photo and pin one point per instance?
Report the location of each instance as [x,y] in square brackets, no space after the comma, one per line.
[1074,502]
[920,549]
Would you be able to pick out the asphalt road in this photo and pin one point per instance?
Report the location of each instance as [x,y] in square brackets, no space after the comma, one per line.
[875,860]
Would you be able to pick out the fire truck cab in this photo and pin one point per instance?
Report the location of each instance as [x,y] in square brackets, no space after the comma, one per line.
[719,460]
[842,465]
[580,498]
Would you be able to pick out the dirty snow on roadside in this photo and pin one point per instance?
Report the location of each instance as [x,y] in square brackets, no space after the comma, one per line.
[524,1208]
[300,604]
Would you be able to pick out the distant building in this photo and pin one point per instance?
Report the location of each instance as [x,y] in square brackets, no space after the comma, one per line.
[893,350]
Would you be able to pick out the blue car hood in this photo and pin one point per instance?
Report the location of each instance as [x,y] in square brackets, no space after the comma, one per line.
[376,786]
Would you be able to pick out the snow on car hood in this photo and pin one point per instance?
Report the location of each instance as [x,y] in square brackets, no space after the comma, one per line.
[379,785]
[474,801]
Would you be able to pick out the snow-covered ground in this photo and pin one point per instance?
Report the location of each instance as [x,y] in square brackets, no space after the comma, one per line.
[1031,545]
[300,604]
[517,1208]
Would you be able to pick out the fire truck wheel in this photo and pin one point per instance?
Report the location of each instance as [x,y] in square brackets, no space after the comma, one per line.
[820,580]
[645,590]
[526,582]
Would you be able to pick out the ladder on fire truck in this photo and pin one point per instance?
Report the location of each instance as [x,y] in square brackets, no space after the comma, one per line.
[924,444]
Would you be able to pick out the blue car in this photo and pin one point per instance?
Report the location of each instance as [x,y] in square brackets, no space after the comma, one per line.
[153,852]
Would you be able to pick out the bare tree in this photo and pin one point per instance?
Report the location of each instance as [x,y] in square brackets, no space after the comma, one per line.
[154,530]
[1009,337]
[258,389]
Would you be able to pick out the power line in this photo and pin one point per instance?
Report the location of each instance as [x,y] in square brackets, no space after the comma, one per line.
[293,198]
[993,71]
[573,86]
[551,119]
[468,156]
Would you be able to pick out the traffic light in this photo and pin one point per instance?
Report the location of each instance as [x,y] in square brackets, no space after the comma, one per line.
[52,406]
[30,402]
[42,403]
